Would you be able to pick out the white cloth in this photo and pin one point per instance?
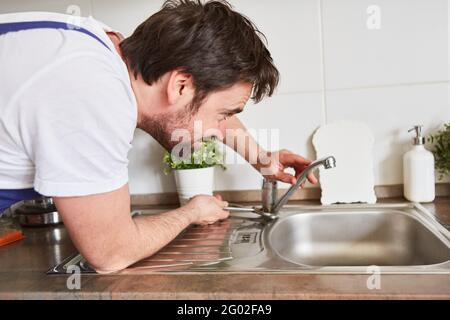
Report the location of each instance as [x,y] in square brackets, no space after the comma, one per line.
[67,110]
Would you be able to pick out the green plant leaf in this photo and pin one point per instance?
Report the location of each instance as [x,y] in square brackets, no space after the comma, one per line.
[207,154]
[441,150]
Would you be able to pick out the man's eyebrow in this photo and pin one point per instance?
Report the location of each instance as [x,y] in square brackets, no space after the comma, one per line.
[232,111]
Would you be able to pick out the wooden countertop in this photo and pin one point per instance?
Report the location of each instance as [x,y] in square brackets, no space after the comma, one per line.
[23,266]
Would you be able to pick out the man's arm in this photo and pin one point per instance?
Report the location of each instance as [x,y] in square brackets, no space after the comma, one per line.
[238,138]
[269,164]
[104,232]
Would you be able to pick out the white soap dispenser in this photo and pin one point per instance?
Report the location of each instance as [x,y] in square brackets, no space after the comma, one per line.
[418,170]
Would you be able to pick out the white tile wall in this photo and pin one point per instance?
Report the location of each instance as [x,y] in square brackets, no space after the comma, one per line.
[390,112]
[146,168]
[124,16]
[61,6]
[293,32]
[332,67]
[411,45]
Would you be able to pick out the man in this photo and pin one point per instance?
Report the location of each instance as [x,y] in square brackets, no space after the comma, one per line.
[71,95]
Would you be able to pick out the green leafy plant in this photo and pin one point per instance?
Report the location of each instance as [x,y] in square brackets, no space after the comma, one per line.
[206,154]
[441,150]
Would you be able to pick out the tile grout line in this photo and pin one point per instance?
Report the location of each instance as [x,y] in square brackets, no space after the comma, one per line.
[406,84]
[322,53]
[91,8]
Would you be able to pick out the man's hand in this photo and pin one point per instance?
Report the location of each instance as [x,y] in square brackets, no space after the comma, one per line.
[273,164]
[206,209]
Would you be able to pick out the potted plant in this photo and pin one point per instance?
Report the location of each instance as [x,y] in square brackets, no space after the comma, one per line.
[194,174]
[442,150]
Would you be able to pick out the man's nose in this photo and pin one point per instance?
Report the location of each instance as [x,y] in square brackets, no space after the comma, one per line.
[222,129]
[220,134]
[214,132]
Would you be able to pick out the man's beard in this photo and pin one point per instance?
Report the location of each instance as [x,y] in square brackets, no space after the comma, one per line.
[161,127]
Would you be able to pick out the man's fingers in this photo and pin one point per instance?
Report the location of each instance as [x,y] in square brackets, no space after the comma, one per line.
[286,177]
[294,160]
[312,178]
[220,202]
[224,215]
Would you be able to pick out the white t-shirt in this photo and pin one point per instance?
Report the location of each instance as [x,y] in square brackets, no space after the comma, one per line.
[67,110]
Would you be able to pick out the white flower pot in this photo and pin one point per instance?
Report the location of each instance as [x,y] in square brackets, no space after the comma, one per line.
[192,182]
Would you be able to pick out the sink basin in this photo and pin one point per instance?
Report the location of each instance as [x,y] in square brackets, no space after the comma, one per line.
[397,238]
[364,238]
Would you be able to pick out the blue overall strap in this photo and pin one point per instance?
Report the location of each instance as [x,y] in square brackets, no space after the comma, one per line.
[30,25]
[10,196]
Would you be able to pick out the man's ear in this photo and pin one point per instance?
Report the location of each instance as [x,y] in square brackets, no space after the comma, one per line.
[180,88]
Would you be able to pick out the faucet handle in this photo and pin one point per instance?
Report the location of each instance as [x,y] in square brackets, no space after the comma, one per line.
[269,194]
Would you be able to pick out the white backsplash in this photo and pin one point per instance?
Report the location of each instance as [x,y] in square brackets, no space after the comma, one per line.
[332,67]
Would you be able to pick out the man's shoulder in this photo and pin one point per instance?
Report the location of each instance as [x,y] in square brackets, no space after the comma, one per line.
[83,89]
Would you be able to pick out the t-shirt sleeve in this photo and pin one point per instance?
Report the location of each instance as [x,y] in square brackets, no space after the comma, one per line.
[77,123]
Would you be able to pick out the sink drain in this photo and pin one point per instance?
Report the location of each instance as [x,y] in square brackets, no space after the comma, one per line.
[245,237]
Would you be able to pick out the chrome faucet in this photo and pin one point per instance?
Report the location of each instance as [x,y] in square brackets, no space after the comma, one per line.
[268,199]
[270,206]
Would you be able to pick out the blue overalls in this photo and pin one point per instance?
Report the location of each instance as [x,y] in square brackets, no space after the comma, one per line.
[10,196]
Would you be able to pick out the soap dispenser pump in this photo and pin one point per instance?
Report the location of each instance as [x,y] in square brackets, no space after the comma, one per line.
[418,170]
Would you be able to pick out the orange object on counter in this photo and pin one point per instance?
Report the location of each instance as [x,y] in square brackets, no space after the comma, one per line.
[10,236]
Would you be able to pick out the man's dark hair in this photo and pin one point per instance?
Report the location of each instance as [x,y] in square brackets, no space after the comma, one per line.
[210,41]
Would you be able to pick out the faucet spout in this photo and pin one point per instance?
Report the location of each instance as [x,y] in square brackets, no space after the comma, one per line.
[327,162]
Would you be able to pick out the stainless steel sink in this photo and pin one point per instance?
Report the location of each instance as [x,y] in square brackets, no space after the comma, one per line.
[397,238]
[386,237]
